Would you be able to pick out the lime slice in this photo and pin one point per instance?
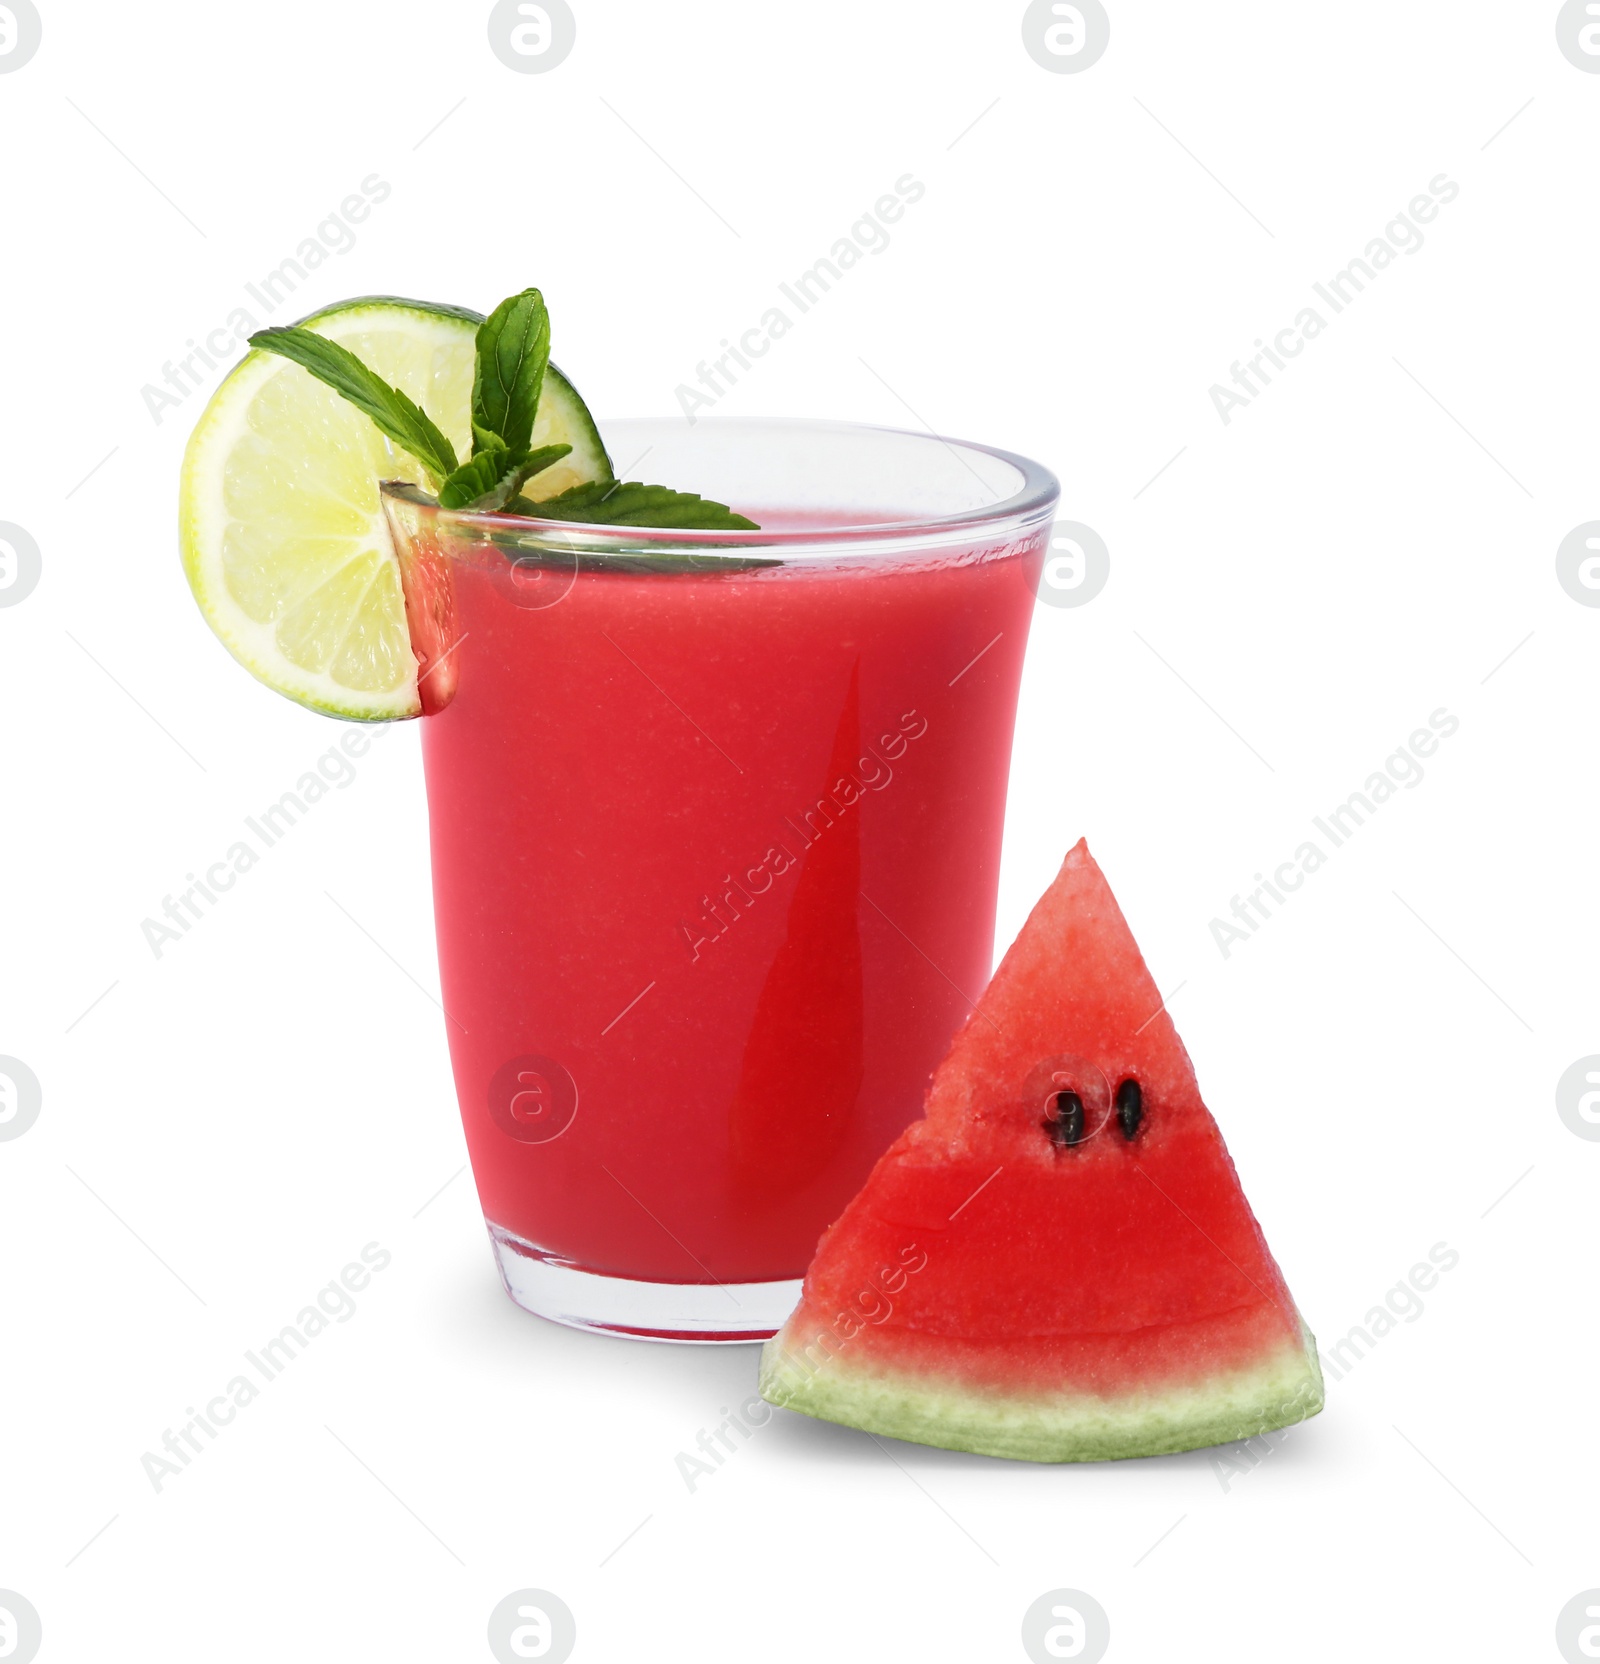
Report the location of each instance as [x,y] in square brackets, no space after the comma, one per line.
[284,541]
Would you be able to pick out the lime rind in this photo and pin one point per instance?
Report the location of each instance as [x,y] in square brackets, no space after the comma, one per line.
[563,417]
[283,536]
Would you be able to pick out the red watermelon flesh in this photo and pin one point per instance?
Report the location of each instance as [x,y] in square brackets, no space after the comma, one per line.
[1054,1265]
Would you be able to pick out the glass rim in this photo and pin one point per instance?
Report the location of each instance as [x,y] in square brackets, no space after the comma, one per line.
[1031,505]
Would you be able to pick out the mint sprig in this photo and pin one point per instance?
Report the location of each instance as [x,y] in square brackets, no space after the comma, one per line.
[396,416]
[512,355]
[513,351]
[493,477]
[630,503]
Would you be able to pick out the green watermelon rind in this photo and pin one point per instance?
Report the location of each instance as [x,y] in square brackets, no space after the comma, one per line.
[1281,1389]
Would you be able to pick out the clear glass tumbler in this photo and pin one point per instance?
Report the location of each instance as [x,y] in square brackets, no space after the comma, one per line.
[715,827]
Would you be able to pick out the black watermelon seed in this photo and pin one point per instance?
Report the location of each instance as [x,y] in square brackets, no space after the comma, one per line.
[1130,1107]
[1067,1128]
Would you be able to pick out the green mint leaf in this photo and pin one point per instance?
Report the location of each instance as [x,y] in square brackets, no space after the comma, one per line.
[407,424]
[521,471]
[513,350]
[493,477]
[475,477]
[636,562]
[629,503]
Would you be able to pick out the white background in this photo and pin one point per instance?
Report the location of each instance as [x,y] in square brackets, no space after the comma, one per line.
[225,1127]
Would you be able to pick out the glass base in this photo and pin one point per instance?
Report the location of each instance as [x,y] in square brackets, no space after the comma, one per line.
[703,1313]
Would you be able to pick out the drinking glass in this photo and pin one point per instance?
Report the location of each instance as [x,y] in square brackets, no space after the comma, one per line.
[715,824]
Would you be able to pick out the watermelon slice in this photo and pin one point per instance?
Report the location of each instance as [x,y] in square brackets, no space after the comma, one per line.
[1058,1263]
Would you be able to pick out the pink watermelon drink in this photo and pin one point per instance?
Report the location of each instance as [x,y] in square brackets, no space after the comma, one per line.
[716,828]
[1058,1263]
